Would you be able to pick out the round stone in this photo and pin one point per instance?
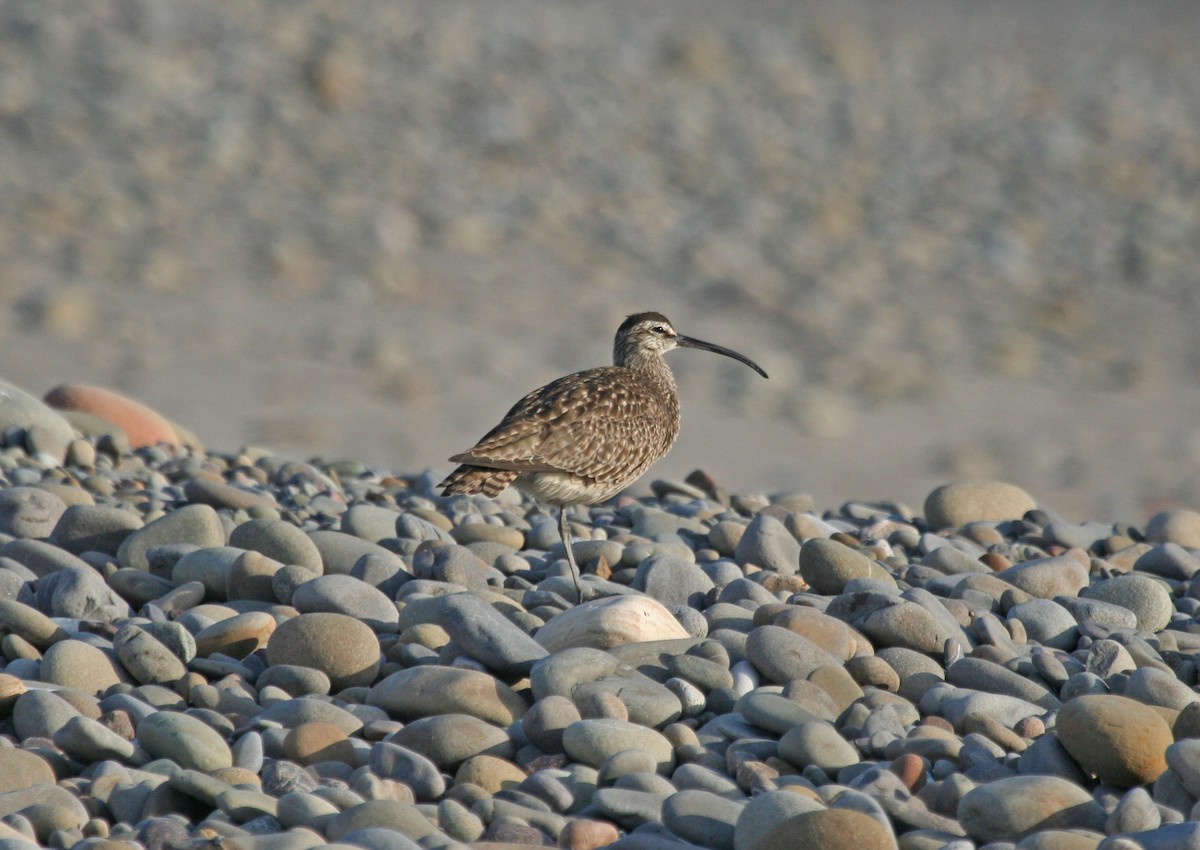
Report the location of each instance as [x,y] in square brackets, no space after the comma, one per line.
[279,540]
[450,739]
[19,409]
[594,740]
[637,698]
[145,658]
[90,741]
[767,543]
[29,512]
[22,769]
[546,721]
[1151,686]
[828,566]
[340,552]
[41,558]
[1122,741]
[782,655]
[673,581]
[79,593]
[1146,597]
[1175,526]
[817,743]
[1047,578]
[584,834]
[294,679]
[829,829]
[955,505]
[609,622]
[39,714]
[251,576]
[291,713]
[236,636]
[396,816]
[342,647]
[702,817]
[490,773]
[1011,808]
[29,624]
[1047,623]
[198,525]
[185,740]
[94,528]
[392,761]
[209,566]
[219,494]
[428,690]
[486,635]
[78,665]
[314,742]
[343,594]
[487,532]
[827,632]
[369,522]
[768,810]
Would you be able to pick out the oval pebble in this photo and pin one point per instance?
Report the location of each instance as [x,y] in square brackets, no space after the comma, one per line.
[198,525]
[1178,526]
[592,741]
[183,739]
[29,512]
[423,691]
[280,541]
[829,829]
[702,817]
[963,502]
[142,425]
[343,594]
[1147,598]
[341,647]
[1120,740]
[1010,809]
[450,739]
[79,665]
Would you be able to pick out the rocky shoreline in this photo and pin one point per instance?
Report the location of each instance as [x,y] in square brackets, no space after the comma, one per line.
[246,651]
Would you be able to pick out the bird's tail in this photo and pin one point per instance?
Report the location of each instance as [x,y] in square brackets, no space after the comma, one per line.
[469,480]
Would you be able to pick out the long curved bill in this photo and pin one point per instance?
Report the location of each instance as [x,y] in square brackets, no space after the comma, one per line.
[689,342]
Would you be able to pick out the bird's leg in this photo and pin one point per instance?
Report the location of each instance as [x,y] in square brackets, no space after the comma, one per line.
[566,539]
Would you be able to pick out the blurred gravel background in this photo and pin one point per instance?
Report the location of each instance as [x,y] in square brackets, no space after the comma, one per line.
[963,237]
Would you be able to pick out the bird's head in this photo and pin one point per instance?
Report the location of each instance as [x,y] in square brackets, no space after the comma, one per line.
[645,336]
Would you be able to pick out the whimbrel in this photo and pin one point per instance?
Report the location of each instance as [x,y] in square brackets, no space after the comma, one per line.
[584,438]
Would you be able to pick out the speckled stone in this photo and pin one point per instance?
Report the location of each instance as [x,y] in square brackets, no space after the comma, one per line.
[829,829]
[1120,740]
[342,647]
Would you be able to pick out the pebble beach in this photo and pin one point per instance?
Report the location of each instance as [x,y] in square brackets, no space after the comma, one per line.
[240,650]
[931,587]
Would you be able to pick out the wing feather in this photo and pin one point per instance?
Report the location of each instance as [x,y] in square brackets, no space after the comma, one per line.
[597,424]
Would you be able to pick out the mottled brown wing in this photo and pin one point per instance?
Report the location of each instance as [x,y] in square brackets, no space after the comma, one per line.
[602,424]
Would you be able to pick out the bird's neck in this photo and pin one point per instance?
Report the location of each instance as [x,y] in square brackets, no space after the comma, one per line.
[647,363]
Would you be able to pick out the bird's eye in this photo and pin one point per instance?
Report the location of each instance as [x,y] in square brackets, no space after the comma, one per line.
[660,330]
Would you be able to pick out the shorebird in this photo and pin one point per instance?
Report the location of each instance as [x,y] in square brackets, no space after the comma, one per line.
[584,438]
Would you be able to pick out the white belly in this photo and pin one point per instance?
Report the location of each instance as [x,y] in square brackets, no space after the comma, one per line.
[563,488]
